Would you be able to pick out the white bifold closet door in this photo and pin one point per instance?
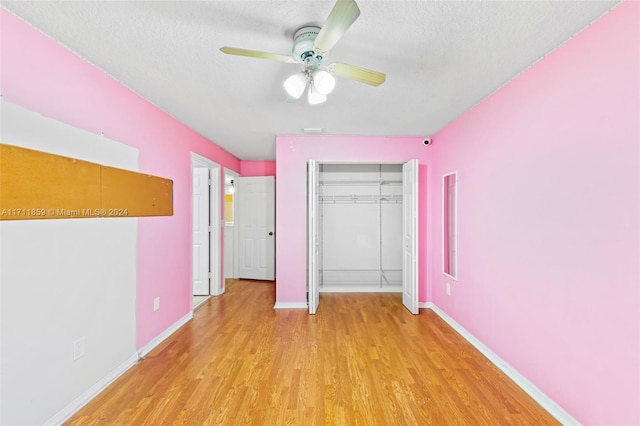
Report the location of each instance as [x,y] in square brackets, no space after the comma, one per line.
[313,291]
[410,235]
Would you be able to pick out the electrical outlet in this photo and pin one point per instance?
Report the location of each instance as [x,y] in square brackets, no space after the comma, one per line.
[156,303]
[447,288]
[78,348]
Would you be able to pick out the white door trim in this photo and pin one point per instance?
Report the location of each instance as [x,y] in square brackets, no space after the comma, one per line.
[215,206]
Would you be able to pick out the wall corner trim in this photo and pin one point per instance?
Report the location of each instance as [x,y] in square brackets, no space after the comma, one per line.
[84,398]
[143,351]
[291,305]
[532,390]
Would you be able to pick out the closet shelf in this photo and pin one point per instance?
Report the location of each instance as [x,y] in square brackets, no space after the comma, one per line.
[376,270]
[362,278]
[361,198]
[365,182]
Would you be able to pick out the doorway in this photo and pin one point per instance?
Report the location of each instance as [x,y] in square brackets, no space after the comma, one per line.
[230,231]
[205,230]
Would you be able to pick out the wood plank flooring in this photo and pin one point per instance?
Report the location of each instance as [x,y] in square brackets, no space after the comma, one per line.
[362,360]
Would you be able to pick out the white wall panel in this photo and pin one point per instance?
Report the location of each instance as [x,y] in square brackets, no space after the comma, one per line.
[61,281]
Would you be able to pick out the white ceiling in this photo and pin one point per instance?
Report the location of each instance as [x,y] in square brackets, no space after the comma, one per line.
[441,58]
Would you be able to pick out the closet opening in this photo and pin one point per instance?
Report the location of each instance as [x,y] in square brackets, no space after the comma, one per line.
[363,229]
[360,224]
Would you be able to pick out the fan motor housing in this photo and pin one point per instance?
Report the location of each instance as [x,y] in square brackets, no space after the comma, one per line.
[303,40]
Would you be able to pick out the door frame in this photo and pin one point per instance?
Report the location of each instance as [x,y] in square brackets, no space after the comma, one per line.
[234,175]
[215,210]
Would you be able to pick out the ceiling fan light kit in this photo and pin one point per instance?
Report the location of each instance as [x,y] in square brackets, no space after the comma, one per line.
[319,82]
[315,97]
[310,45]
[296,84]
[323,81]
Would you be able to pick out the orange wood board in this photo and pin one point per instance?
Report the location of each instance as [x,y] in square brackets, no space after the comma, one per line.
[40,185]
[137,193]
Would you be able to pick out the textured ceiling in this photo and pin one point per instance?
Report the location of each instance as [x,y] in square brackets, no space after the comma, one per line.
[441,58]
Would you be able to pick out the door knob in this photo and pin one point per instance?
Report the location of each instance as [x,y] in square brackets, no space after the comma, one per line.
[270,233]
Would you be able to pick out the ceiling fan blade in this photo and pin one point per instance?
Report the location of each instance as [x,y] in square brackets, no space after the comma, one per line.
[363,75]
[343,14]
[257,54]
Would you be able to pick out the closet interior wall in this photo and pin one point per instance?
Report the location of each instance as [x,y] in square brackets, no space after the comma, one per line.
[360,227]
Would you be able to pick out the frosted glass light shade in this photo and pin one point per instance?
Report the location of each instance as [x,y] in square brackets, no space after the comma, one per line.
[295,85]
[323,81]
[315,97]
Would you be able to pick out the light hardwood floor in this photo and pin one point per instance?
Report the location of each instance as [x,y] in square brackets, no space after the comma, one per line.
[362,360]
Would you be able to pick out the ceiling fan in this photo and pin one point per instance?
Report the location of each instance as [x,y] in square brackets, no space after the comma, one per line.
[310,45]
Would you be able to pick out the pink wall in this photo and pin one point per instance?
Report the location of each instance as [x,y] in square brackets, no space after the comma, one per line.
[292,154]
[250,168]
[549,222]
[41,75]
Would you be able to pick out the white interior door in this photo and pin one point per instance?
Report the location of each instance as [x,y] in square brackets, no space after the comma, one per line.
[256,227]
[410,236]
[313,264]
[201,232]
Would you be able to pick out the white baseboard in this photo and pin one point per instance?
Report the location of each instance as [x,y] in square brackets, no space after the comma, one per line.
[143,351]
[291,305]
[94,390]
[540,397]
[425,305]
[84,398]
